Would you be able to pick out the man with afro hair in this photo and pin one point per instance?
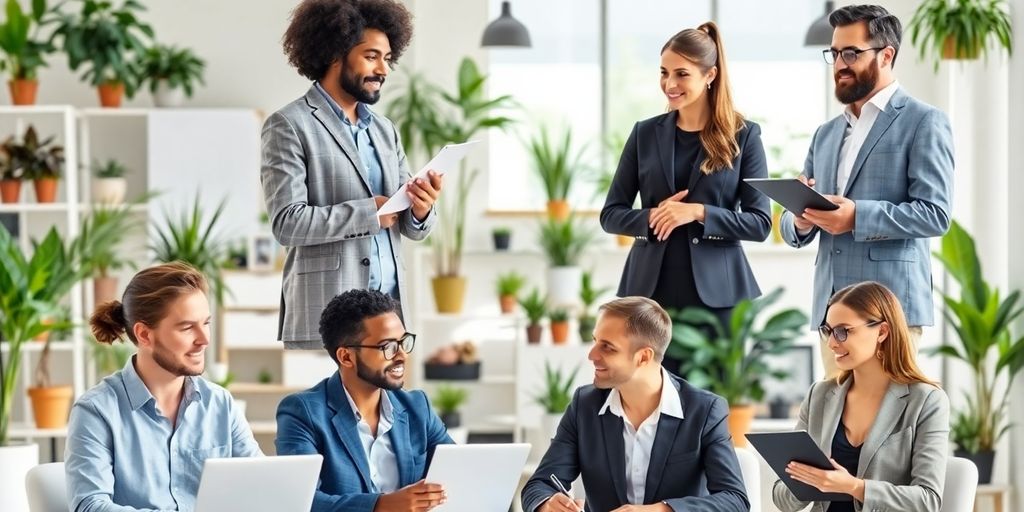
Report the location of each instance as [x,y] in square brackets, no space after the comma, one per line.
[329,163]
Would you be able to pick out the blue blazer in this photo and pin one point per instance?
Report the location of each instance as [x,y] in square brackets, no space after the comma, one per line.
[902,184]
[734,210]
[320,420]
[693,463]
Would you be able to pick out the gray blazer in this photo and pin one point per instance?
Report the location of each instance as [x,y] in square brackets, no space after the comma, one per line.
[321,209]
[903,459]
[902,184]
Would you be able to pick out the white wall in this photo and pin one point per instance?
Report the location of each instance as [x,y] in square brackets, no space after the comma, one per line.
[1014,236]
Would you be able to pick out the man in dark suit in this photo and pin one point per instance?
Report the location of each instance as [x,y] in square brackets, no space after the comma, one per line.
[643,439]
[376,439]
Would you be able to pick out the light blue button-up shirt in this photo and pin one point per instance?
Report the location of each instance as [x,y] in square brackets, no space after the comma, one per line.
[123,455]
[380,454]
[383,270]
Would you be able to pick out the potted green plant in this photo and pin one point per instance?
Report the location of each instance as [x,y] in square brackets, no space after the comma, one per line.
[172,73]
[31,288]
[447,401]
[110,358]
[960,29]
[101,235]
[559,326]
[730,361]
[502,238]
[508,286]
[555,396]
[24,48]
[588,297]
[427,118]
[192,239]
[109,185]
[535,308]
[50,403]
[39,160]
[10,176]
[563,242]
[556,165]
[107,40]
[982,319]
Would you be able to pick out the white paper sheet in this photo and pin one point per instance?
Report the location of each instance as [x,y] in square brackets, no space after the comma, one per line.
[446,160]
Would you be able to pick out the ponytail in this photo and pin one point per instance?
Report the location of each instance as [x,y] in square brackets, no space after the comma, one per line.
[108,323]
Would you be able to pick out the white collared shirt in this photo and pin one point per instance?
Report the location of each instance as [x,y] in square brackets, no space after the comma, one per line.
[380,455]
[857,130]
[638,442]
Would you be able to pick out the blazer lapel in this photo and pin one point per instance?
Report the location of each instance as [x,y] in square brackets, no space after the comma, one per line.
[668,426]
[323,112]
[893,405]
[882,124]
[833,413]
[344,422]
[611,427]
[400,443]
[667,149]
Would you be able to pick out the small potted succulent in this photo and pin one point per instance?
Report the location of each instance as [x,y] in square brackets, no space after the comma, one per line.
[502,238]
[40,161]
[109,186]
[447,401]
[171,72]
[559,326]
[509,284]
[536,308]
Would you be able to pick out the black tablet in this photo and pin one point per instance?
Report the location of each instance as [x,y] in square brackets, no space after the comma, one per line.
[792,194]
[780,448]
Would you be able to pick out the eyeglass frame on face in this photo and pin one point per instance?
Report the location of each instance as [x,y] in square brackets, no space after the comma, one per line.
[832,53]
[383,345]
[826,331]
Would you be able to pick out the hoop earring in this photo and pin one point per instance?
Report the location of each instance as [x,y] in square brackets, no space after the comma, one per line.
[878,354]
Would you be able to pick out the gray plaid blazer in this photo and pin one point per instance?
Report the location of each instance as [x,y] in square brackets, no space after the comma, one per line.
[322,211]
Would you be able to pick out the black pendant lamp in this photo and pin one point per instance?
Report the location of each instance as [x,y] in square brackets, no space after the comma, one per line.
[506,31]
[820,32]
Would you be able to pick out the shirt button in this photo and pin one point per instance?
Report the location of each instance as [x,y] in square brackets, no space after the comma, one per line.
[696,241]
[365,262]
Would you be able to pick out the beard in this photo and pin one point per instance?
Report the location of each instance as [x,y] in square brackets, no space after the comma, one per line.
[354,85]
[380,378]
[165,359]
[862,84]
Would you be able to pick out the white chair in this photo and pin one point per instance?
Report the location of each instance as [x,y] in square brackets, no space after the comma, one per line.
[961,485]
[750,467]
[45,487]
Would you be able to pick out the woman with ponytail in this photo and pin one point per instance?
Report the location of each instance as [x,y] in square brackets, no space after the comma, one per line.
[688,167]
[139,438]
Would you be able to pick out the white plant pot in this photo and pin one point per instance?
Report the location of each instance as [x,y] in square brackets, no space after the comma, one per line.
[168,97]
[564,286]
[549,425]
[109,190]
[15,461]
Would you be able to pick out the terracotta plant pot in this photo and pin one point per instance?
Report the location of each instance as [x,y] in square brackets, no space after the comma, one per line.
[740,419]
[508,304]
[950,51]
[449,293]
[104,289]
[51,405]
[533,333]
[559,209]
[10,190]
[46,190]
[559,333]
[111,94]
[23,92]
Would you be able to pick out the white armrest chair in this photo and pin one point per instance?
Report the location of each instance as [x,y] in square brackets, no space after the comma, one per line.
[751,469]
[45,487]
[961,485]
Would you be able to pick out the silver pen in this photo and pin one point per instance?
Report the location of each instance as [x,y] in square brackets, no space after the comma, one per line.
[561,489]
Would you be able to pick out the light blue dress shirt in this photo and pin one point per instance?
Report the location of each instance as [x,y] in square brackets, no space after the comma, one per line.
[383,269]
[123,455]
[379,453]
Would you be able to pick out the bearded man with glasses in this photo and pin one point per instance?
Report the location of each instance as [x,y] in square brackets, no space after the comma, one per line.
[887,163]
[376,438]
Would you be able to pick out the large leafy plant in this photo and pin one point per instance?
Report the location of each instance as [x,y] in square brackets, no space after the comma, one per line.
[981,318]
[428,117]
[179,67]
[558,387]
[107,40]
[100,237]
[191,239]
[23,45]
[555,162]
[730,360]
[960,29]
[563,242]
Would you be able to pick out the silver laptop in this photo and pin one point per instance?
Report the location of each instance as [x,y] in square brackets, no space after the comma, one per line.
[478,476]
[258,484]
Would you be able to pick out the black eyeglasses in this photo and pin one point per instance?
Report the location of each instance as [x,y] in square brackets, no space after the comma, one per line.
[849,55]
[840,332]
[390,347]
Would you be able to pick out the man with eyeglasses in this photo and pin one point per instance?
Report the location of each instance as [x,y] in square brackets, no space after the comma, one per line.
[887,164]
[376,439]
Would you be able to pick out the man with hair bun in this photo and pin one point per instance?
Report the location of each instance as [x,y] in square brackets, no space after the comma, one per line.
[138,439]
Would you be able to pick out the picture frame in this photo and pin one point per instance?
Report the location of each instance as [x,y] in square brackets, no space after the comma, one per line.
[262,252]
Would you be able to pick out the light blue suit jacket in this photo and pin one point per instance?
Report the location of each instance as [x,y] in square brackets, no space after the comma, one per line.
[320,420]
[902,184]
